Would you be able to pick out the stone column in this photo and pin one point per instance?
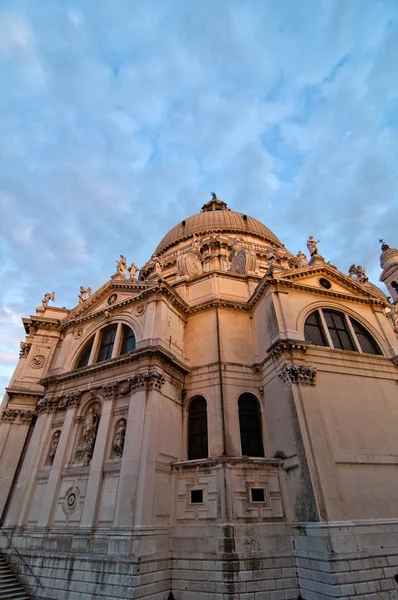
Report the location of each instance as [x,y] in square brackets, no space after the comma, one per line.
[97,461]
[51,494]
[128,480]
[13,432]
[20,504]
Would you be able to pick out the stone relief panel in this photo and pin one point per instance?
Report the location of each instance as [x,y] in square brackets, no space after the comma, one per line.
[107,499]
[197,496]
[69,507]
[256,495]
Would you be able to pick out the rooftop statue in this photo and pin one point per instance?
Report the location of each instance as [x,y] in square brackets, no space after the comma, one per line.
[312,246]
[301,260]
[47,298]
[84,295]
[121,266]
[133,268]
[359,273]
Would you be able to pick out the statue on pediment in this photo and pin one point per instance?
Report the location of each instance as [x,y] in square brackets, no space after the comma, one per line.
[133,269]
[121,266]
[47,297]
[358,273]
[301,260]
[312,246]
[84,295]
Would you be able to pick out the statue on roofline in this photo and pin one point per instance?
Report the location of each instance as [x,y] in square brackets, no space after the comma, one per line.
[47,297]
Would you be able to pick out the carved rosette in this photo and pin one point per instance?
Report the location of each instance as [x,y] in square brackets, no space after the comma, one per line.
[151,379]
[10,415]
[300,374]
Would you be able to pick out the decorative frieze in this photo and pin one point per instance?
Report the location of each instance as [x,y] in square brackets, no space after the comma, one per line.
[151,379]
[300,374]
[58,403]
[10,415]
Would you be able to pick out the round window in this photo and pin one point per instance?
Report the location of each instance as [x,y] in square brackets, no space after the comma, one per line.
[325,283]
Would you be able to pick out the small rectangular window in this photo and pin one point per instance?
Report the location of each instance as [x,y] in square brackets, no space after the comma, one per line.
[196,496]
[257,494]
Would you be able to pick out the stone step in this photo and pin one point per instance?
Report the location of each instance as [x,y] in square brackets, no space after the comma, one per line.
[10,588]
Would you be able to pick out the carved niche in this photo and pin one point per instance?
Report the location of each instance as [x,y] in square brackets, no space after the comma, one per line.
[53,447]
[91,419]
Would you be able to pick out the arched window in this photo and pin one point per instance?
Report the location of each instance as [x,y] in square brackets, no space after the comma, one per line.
[251,438]
[85,354]
[128,340]
[197,429]
[333,328]
[108,335]
[109,342]
[394,286]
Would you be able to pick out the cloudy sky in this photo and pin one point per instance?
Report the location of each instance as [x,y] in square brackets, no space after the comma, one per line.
[119,117]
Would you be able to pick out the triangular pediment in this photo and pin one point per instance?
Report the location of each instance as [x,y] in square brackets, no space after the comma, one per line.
[314,278]
[309,279]
[115,293]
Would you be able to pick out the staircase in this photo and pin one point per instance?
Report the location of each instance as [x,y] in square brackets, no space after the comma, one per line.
[10,588]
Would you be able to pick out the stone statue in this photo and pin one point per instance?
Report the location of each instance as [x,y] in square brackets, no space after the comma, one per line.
[301,260]
[195,245]
[158,266]
[359,273]
[85,293]
[214,196]
[133,271]
[312,246]
[362,277]
[47,298]
[118,442]
[90,428]
[54,446]
[121,266]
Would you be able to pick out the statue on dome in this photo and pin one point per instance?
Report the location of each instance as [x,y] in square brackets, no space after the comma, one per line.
[312,246]
[47,297]
[121,265]
[133,268]
[84,295]
[301,260]
[214,196]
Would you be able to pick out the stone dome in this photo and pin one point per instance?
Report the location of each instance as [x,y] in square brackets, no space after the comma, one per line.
[216,217]
[387,254]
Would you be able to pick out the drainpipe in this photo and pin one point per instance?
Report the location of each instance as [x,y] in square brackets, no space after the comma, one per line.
[221,384]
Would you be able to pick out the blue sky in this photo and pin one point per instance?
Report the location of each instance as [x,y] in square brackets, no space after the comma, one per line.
[119,117]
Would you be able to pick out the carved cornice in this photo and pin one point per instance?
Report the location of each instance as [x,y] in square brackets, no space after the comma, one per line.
[10,415]
[150,379]
[133,356]
[300,374]
[286,346]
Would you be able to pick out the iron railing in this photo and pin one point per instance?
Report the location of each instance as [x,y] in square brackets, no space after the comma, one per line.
[20,556]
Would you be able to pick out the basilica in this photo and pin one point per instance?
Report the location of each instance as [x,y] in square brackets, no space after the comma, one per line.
[219,424]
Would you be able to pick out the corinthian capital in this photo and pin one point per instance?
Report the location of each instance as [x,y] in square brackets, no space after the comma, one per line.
[300,374]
